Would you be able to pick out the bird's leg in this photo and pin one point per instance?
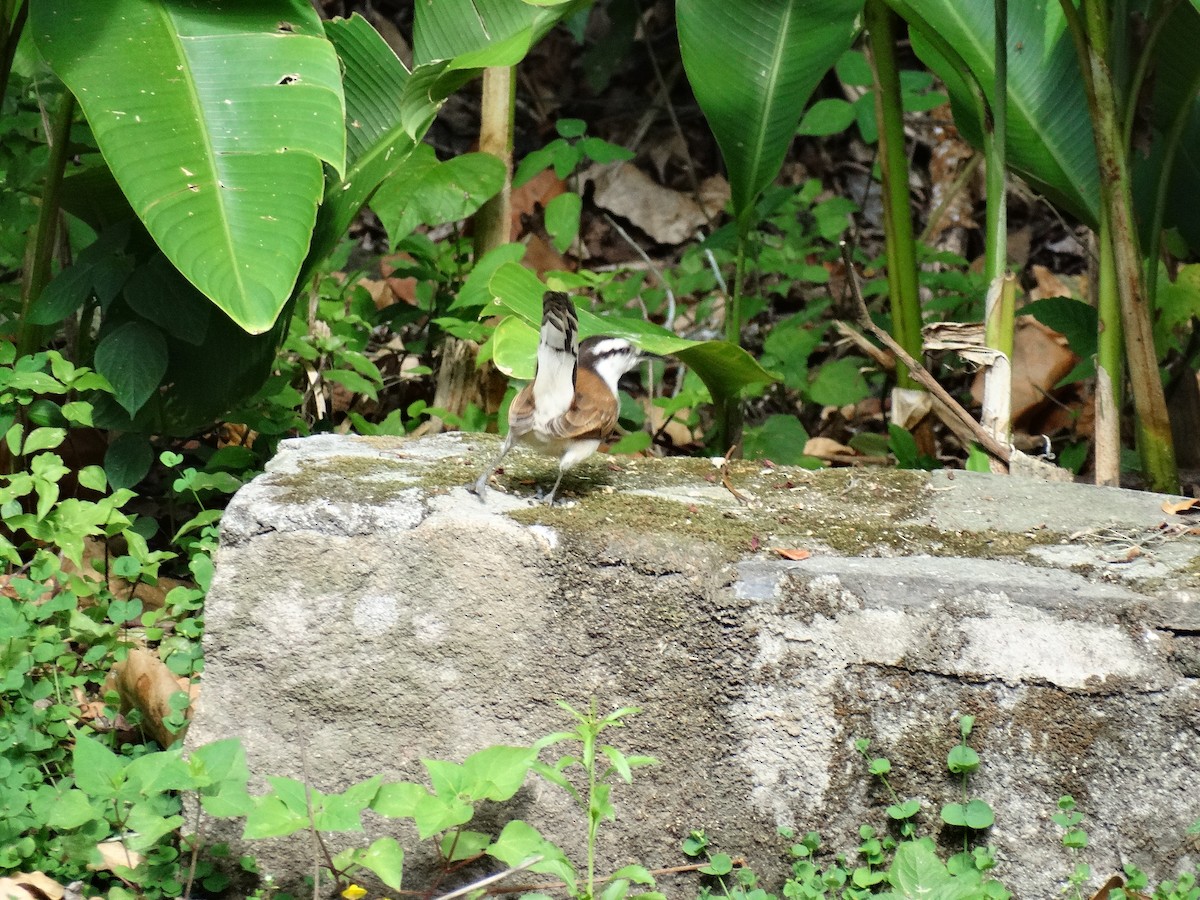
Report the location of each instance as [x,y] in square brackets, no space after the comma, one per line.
[480,487]
[554,490]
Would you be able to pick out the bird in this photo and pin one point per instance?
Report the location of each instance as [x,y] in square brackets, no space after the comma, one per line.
[571,404]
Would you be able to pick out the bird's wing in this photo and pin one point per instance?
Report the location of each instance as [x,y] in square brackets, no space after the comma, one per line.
[592,415]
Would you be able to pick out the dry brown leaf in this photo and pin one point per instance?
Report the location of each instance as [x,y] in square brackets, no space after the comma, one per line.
[1041,358]
[537,191]
[380,291]
[35,885]
[1049,284]
[235,434]
[146,684]
[667,216]
[675,430]
[792,553]
[540,256]
[403,288]
[113,854]
[827,448]
[97,555]
[1111,885]
[1182,507]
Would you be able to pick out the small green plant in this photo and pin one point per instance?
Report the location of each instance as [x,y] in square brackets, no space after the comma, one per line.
[903,869]
[832,115]
[1184,887]
[599,765]
[903,812]
[443,810]
[565,154]
[971,814]
[1075,839]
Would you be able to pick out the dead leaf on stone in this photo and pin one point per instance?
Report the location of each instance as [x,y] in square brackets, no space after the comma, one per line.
[667,216]
[146,684]
[1132,554]
[1182,507]
[33,885]
[792,553]
[113,854]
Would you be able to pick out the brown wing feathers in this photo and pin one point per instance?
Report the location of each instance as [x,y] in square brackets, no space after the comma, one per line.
[593,410]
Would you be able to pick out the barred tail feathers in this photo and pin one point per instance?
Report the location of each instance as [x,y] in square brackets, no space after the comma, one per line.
[557,357]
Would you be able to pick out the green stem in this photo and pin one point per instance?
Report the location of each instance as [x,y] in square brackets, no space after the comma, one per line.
[893,164]
[1153,423]
[40,250]
[995,136]
[729,407]
[590,732]
[1000,313]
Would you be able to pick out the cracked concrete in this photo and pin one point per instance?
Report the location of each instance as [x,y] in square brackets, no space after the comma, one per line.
[367,612]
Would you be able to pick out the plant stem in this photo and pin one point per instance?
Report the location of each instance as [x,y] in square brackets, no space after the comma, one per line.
[40,250]
[729,408]
[893,164]
[1153,423]
[1000,311]
[995,137]
[497,105]
[1109,363]
[590,731]
[459,381]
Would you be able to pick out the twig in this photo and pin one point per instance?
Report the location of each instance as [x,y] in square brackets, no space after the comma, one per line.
[738,863]
[725,479]
[492,879]
[637,248]
[919,373]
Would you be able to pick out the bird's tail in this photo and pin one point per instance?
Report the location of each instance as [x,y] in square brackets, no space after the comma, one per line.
[558,356]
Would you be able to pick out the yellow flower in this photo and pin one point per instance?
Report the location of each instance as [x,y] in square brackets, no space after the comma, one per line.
[354,892]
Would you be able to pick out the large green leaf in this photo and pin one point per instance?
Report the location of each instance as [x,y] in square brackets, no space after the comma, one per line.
[387,112]
[724,367]
[427,191]
[215,118]
[461,29]
[1050,140]
[753,64]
